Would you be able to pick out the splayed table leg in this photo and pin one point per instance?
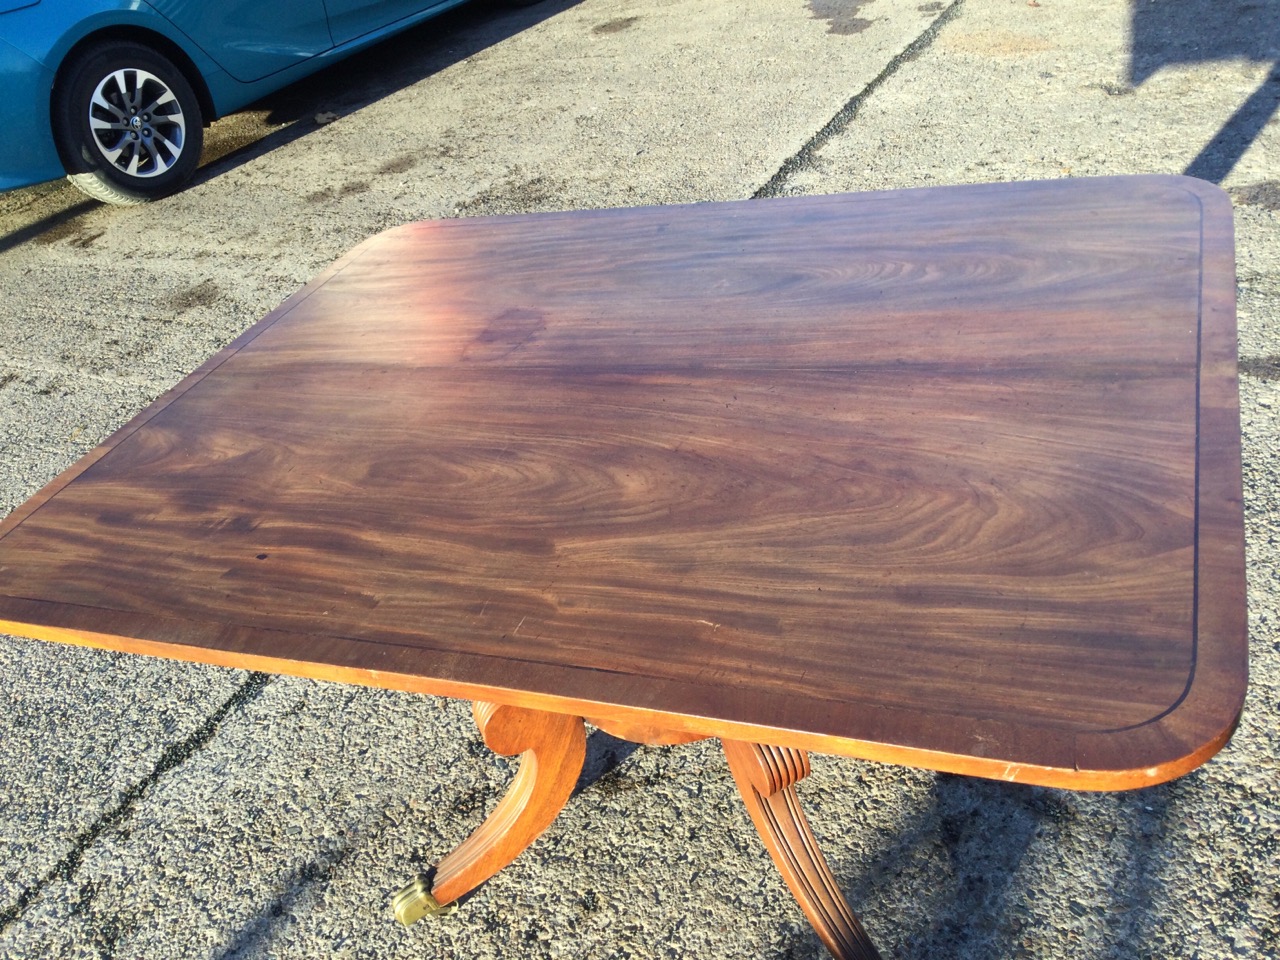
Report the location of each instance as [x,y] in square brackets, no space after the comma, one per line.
[552,749]
[766,778]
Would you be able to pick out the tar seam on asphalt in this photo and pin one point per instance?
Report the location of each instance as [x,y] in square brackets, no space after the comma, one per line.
[1264,368]
[65,868]
[804,157]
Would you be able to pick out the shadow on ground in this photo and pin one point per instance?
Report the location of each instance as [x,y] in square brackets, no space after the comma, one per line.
[1170,32]
[291,114]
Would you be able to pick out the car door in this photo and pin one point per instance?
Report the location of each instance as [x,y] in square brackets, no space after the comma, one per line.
[349,19]
[251,39]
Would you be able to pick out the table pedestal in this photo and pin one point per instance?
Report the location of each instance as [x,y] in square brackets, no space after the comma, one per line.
[552,748]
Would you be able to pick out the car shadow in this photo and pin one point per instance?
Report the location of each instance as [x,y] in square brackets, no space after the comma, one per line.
[351,84]
[50,223]
[1170,32]
[300,109]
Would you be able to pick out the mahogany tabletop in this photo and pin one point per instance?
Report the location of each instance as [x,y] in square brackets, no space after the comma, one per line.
[946,477]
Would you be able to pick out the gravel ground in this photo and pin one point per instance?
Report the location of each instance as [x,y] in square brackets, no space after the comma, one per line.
[151,809]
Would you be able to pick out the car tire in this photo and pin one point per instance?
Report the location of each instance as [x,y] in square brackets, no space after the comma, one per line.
[127,123]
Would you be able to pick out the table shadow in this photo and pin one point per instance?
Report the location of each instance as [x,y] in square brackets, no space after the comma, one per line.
[605,754]
[255,937]
[963,849]
[961,877]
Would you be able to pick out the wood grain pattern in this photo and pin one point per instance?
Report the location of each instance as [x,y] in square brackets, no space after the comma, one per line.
[945,477]
[766,777]
[645,732]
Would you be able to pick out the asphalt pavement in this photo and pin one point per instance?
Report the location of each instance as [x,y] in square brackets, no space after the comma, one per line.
[151,809]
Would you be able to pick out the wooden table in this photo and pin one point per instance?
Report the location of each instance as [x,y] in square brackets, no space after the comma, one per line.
[946,477]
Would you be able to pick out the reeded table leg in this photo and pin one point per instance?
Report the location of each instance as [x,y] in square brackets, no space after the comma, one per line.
[553,747]
[766,778]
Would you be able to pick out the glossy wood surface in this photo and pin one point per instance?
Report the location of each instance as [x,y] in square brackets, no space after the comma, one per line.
[947,477]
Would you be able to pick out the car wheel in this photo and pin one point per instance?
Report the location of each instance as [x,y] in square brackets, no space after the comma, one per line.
[127,123]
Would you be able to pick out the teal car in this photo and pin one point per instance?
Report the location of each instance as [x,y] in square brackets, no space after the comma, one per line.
[115,94]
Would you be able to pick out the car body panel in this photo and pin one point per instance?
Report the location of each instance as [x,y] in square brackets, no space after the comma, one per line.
[33,43]
[31,156]
[352,19]
[37,36]
[48,31]
[252,39]
[229,95]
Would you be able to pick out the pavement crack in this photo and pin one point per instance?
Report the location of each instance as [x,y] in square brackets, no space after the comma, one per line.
[173,756]
[805,156]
